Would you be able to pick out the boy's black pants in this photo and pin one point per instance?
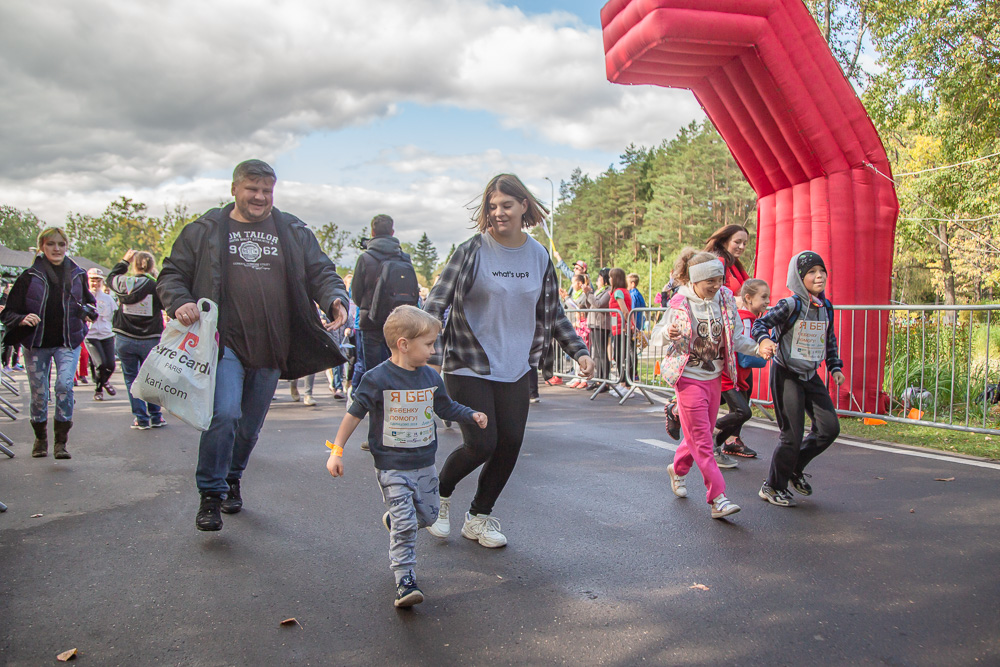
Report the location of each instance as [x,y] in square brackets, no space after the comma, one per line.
[793,399]
[739,414]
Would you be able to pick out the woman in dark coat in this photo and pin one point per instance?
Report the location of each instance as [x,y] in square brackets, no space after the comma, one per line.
[46,313]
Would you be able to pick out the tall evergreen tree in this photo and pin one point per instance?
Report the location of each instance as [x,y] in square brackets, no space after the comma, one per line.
[425,259]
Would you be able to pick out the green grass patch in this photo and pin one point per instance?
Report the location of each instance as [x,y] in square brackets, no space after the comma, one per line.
[958,442]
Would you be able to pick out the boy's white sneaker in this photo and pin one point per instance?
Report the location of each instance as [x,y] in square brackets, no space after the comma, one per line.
[484,529]
[677,483]
[441,527]
[723,507]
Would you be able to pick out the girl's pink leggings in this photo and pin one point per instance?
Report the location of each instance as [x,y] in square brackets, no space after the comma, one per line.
[698,408]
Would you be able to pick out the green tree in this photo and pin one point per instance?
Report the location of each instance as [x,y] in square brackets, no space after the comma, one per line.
[19,229]
[333,240]
[425,259]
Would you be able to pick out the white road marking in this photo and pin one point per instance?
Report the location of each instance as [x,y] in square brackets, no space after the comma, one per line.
[662,444]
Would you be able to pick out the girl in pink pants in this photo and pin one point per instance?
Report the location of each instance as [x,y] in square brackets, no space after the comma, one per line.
[705,333]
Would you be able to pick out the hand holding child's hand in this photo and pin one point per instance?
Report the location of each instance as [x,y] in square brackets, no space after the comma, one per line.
[674,332]
[480,419]
[335,464]
[838,377]
[766,348]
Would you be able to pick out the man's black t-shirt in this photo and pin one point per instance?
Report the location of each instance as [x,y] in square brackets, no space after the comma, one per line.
[254,313]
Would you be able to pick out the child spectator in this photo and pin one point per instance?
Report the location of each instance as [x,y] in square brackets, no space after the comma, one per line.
[755,296]
[802,327]
[637,301]
[705,334]
[400,393]
[577,300]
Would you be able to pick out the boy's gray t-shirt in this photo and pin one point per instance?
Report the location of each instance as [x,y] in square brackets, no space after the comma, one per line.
[401,405]
[500,306]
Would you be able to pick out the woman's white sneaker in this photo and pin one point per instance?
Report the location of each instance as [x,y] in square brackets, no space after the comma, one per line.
[441,527]
[485,529]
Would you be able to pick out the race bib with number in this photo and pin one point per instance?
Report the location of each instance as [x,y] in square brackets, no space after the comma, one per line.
[409,417]
[809,340]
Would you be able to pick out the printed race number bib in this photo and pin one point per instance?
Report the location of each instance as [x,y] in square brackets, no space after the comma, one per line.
[409,417]
[809,340]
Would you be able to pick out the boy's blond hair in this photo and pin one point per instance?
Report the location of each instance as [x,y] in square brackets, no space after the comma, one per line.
[408,322]
[633,278]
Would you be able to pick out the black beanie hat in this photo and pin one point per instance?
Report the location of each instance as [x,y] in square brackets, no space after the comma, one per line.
[806,261]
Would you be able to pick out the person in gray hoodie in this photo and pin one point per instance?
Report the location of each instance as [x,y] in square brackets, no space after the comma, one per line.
[802,326]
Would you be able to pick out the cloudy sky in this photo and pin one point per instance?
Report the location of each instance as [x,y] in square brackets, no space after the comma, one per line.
[405,107]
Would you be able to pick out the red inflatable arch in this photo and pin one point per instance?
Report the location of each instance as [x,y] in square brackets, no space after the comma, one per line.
[766,78]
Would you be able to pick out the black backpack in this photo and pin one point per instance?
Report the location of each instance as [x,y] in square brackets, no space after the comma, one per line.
[396,286]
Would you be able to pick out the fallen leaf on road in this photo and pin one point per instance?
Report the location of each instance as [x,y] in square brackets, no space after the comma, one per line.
[37,516]
[290,621]
[944,479]
[880,478]
[912,511]
[700,587]
[66,656]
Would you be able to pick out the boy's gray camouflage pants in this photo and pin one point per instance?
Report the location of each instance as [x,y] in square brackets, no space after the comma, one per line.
[412,499]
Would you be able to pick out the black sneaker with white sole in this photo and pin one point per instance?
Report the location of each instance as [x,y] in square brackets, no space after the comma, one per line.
[407,593]
[800,484]
[778,497]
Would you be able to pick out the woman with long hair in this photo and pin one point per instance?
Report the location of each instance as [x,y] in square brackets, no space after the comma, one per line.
[729,244]
[47,312]
[504,298]
[138,324]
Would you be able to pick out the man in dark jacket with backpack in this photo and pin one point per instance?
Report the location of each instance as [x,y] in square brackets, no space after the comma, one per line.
[383,279]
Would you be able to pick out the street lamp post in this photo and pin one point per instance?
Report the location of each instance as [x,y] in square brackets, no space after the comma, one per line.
[552,221]
[649,285]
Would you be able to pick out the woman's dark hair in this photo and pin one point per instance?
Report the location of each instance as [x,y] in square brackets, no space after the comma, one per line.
[605,273]
[617,279]
[717,242]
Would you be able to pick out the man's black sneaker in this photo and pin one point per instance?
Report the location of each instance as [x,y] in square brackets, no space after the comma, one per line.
[776,497]
[673,424]
[738,448]
[234,501]
[800,484]
[407,593]
[209,517]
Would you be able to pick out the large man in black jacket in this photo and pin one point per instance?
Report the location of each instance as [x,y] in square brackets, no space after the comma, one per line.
[265,270]
[382,246]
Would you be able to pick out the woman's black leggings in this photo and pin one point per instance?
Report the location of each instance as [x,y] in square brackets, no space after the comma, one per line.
[599,351]
[739,414]
[495,447]
[102,359]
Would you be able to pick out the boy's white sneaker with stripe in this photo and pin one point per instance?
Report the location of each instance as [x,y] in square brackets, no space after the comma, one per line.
[723,507]
[677,483]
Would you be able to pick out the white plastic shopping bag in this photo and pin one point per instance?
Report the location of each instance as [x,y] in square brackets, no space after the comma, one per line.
[179,373]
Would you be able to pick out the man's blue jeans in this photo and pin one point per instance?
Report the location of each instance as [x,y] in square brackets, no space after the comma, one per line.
[132,352]
[38,363]
[242,399]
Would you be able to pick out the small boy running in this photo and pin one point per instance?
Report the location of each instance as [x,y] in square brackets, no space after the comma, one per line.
[802,326]
[402,394]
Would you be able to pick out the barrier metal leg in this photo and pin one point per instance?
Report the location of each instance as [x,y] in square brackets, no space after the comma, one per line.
[3,448]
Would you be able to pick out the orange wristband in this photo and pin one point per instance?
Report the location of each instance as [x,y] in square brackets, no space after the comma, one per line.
[336,450]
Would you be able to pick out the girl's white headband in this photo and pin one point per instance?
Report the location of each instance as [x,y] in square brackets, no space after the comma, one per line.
[706,270]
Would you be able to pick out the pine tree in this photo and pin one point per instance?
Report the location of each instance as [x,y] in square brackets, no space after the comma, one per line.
[425,259]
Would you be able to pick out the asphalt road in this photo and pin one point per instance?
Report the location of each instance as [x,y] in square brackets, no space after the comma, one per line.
[883,565]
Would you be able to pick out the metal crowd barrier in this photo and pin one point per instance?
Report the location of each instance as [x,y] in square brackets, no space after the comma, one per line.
[936,367]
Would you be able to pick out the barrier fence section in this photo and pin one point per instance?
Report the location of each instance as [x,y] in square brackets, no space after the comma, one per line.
[939,366]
